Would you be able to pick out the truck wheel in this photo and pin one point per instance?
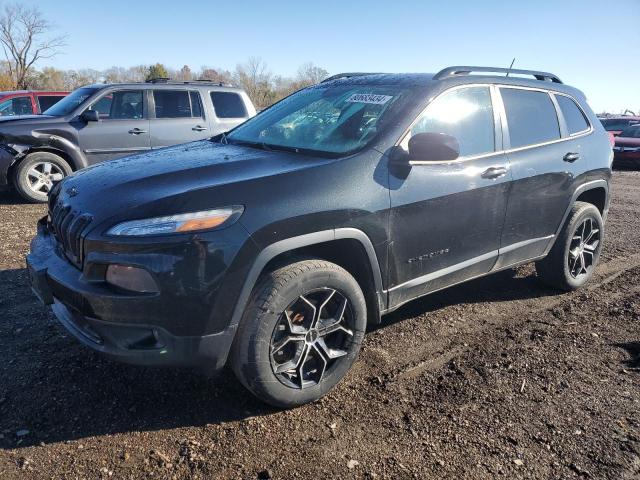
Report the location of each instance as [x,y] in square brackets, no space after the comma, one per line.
[574,256]
[300,333]
[36,174]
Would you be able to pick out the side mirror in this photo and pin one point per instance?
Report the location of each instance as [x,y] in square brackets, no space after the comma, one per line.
[90,116]
[432,147]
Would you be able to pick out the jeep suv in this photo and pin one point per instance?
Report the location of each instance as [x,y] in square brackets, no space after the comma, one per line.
[108,121]
[271,247]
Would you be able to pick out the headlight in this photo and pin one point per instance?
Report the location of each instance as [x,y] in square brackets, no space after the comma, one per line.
[183,223]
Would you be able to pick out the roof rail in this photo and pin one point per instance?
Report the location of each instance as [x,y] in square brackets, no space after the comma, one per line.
[466,70]
[346,75]
[199,81]
[158,80]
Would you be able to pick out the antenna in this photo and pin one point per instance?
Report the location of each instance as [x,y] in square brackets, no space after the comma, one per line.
[511,66]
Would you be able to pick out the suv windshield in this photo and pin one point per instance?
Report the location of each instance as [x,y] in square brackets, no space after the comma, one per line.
[333,120]
[631,132]
[69,103]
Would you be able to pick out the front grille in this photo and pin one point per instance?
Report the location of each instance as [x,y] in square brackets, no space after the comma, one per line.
[68,226]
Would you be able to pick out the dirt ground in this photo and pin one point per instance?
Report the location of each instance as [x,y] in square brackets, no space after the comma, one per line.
[496,378]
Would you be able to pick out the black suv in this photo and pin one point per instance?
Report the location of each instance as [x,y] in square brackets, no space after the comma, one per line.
[273,246]
[107,121]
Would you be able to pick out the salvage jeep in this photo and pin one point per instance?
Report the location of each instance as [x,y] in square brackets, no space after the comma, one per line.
[272,247]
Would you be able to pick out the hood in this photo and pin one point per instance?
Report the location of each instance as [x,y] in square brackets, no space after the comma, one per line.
[183,178]
[29,129]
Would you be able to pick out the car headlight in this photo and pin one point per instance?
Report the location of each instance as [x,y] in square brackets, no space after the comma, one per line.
[182,223]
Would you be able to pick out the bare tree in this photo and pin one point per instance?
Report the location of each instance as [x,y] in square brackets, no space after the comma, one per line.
[256,79]
[25,40]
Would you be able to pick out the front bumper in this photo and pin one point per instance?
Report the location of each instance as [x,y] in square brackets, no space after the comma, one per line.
[626,159]
[130,327]
[6,160]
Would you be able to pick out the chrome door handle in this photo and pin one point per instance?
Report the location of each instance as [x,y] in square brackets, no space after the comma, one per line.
[136,131]
[198,128]
[571,157]
[494,172]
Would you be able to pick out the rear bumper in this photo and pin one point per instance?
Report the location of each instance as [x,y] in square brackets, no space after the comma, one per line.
[624,159]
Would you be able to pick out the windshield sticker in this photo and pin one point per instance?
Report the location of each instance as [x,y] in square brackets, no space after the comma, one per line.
[369,98]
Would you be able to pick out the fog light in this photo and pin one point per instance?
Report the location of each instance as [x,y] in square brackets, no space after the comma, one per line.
[131,278]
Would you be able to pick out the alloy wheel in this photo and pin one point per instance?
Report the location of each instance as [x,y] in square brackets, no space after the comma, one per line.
[311,337]
[583,247]
[41,176]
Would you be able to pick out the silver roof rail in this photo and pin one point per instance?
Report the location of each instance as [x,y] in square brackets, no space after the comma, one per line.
[466,70]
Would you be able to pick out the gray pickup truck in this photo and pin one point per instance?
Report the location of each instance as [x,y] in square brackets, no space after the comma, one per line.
[107,121]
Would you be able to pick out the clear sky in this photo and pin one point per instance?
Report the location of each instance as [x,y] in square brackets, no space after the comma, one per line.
[590,44]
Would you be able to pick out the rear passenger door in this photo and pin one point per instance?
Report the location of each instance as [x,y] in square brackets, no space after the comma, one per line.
[179,117]
[546,165]
[230,110]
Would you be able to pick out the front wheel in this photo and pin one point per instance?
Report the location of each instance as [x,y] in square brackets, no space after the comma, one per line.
[575,254]
[300,333]
[36,174]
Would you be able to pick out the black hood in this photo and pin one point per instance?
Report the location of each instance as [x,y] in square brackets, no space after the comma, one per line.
[183,178]
[32,129]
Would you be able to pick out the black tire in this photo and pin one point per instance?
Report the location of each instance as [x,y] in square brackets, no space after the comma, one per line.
[562,268]
[254,354]
[39,162]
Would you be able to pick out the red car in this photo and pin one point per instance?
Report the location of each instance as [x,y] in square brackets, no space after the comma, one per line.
[626,151]
[618,123]
[27,102]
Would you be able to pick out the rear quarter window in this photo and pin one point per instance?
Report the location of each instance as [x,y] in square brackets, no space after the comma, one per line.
[531,117]
[228,105]
[573,116]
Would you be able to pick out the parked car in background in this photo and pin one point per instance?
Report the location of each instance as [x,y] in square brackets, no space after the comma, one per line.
[626,150]
[28,102]
[615,124]
[273,246]
[108,121]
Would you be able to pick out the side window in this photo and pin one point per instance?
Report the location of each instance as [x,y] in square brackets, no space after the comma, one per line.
[172,103]
[228,105]
[466,114]
[47,101]
[120,105]
[573,116]
[531,117]
[196,105]
[16,106]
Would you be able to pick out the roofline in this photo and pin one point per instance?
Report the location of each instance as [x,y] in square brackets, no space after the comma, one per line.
[466,70]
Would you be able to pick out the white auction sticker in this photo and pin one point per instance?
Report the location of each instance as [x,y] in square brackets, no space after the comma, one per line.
[369,98]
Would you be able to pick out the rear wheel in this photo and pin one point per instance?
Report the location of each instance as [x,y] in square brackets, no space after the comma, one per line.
[300,333]
[575,254]
[36,174]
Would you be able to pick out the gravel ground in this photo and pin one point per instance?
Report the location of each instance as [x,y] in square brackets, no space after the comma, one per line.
[499,377]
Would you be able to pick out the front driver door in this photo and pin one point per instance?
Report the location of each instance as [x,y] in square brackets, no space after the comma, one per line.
[123,128]
[447,216]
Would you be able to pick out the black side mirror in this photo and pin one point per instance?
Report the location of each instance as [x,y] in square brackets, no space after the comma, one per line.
[90,116]
[432,147]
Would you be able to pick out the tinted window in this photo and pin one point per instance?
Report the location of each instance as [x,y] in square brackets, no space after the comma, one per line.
[631,132]
[465,113]
[531,117]
[16,106]
[196,105]
[573,116]
[228,105]
[47,101]
[172,103]
[119,105]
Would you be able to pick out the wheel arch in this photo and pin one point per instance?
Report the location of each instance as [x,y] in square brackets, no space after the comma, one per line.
[348,247]
[74,161]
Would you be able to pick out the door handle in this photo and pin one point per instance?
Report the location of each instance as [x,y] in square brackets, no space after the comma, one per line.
[198,128]
[571,157]
[136,131]
[494,172]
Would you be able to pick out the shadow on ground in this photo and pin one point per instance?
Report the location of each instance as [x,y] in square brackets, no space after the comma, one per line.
[633,349]
[58,390]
